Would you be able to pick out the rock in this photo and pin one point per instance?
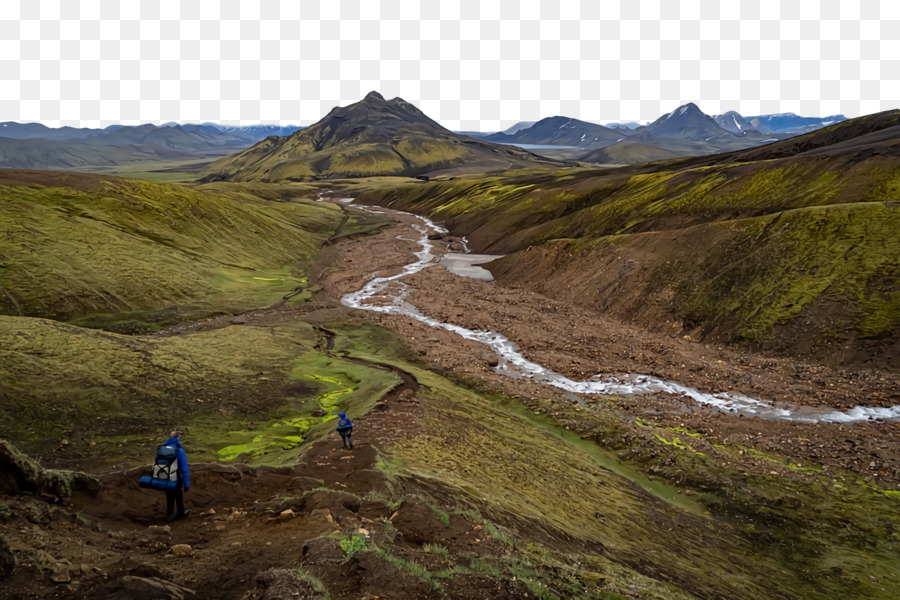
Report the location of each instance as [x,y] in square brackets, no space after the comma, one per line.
[181,550]
[61,577]
[491,359]
[321,513]
[7,559]
[437,235]
[281,584]
[239,320]
[160,530]
[304,484]
[318,412]
[22,474]
[133,588]
[287,514]
[323,550]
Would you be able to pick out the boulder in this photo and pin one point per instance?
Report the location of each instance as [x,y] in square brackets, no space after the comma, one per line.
[21,474]
[7,559]
[181,550]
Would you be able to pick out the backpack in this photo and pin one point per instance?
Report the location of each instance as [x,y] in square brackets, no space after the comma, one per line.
[165,470]
[344,426]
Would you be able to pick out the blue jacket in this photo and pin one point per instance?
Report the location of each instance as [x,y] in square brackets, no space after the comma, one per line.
[345,425]
[182,461]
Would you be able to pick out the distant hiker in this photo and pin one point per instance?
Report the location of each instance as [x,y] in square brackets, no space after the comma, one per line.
[170,475]
[345,428]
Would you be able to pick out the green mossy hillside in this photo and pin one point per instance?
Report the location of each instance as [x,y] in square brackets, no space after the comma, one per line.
[712,527]
[76,246]
[72,394]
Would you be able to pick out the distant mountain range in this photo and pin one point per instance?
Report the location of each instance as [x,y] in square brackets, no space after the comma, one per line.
[36,146]
[369,138]
[559,131]
[791,123]
[686,131]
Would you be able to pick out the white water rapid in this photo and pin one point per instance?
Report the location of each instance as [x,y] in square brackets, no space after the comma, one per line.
[388,295]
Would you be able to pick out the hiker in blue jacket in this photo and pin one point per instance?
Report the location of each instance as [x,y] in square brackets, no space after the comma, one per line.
[176,496]
[345,428]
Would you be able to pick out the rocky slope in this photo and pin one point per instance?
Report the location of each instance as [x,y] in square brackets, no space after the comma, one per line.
[371,137]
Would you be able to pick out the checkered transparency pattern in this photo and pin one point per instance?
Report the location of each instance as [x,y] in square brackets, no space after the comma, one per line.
[471,64]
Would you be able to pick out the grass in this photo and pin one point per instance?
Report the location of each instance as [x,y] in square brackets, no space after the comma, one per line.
[106,249]
[501,463]
[496,534]
[436,549]
[239,392]
[412,567]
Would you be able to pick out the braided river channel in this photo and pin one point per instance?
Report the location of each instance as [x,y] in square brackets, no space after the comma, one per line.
[389,295]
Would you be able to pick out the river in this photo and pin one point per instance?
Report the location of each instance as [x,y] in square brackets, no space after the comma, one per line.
[392,294]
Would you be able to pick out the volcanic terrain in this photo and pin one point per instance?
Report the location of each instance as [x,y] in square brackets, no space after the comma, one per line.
[676,380]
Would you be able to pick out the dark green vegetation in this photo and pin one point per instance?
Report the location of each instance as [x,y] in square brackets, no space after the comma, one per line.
[369,138]
[797,255]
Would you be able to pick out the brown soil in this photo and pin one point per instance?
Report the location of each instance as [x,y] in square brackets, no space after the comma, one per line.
[580,343]
[242,543]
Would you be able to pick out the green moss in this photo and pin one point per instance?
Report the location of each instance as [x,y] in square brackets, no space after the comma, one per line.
[676,443]
[238,391]
[131,246]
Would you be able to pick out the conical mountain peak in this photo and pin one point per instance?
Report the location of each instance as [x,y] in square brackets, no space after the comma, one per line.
[371,137]
[687,122]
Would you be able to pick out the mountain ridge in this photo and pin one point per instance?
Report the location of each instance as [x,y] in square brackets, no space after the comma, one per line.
[370,137]
[560,131]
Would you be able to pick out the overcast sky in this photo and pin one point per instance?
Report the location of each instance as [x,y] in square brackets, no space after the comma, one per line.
[472,65]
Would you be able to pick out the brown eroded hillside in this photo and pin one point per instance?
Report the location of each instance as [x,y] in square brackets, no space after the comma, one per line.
[791,247]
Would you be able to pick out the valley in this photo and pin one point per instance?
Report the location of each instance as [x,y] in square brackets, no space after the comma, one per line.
[680,381]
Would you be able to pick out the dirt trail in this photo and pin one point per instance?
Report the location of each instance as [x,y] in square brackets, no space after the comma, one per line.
[579,344]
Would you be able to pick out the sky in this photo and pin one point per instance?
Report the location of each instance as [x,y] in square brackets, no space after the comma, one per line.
[470,64]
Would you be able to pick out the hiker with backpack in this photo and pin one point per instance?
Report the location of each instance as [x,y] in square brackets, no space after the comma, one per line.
[170,475]
[345,428]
